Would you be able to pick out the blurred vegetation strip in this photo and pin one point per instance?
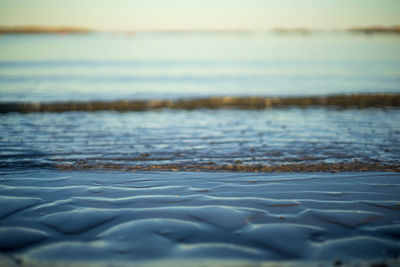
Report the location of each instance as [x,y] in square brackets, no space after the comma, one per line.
[34,29]
[376,29]
[246,103]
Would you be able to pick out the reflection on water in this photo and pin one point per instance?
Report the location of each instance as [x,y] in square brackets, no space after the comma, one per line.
[172,65]
[220,137]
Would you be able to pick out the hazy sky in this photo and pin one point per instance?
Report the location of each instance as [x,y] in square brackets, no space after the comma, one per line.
[200,14]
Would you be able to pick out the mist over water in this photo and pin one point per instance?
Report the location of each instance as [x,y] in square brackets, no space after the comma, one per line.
[157,65]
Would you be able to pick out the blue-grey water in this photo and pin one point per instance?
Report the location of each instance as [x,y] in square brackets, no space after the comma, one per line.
[107,66]
[281,136]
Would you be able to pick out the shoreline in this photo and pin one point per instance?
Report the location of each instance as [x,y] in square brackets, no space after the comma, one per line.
[319,167]
[358,101]
[35,29]
[39,29]
[235,168]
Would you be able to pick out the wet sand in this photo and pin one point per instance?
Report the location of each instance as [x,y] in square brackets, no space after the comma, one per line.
[211,166]
[148,217]
[341,101]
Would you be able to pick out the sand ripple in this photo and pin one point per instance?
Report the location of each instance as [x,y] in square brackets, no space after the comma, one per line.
[123,216]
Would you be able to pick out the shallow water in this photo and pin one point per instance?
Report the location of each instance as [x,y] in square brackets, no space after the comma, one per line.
[221,137]
[147,65]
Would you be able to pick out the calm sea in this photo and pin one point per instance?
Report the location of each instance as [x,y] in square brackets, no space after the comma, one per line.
[106,66]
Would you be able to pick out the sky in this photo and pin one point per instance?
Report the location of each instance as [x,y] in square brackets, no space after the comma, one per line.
[200,14]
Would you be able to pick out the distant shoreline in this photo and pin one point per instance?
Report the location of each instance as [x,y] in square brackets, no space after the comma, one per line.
[245,103]
[375,29]
[42,30]
[35,29]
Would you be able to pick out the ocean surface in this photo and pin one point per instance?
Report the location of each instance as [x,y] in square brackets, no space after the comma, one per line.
[151,65]
[174,65]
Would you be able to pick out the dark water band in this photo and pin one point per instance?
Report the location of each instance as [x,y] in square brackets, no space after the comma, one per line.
[246,103]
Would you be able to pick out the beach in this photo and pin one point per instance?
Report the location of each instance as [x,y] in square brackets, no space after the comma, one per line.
[206,187]
[148,217]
